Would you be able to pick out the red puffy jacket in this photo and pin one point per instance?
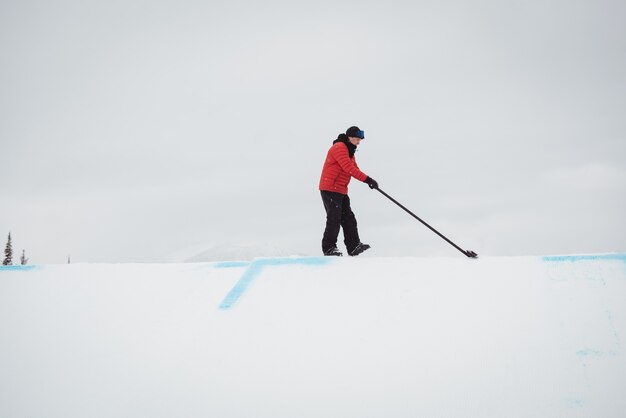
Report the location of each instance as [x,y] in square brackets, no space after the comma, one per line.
[338,169]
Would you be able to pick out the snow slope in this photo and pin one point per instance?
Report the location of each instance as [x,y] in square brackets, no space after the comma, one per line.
[316,337]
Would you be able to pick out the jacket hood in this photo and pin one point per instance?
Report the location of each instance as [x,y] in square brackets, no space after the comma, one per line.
[344,138]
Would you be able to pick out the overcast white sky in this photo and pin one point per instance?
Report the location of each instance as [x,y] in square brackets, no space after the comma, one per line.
[149,130]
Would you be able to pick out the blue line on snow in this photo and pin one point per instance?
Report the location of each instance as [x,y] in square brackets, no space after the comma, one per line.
[589,352]
[18,268]
[256,267]
[593,257]
[230,264]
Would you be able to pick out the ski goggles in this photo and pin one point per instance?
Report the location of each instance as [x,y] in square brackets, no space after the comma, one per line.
[361,134]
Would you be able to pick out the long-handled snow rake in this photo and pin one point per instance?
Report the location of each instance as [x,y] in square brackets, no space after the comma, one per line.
[468,253]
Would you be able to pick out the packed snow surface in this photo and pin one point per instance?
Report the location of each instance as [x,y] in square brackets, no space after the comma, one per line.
[316,337]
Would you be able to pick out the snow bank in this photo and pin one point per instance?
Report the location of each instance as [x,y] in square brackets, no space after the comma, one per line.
[316,337]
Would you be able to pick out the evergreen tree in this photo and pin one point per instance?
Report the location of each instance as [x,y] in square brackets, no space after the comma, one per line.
[8,253]
[24,260]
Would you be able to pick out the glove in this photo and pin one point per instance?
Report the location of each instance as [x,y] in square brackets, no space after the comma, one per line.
[371,182]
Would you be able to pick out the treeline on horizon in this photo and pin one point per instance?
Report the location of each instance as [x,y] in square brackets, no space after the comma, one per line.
[8,254]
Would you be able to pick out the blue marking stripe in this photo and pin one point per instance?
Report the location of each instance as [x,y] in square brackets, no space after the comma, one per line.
[256,267]
[231,264]
[592,257]
[18,268]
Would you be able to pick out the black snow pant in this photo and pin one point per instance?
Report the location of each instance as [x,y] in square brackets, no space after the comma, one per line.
[339,214]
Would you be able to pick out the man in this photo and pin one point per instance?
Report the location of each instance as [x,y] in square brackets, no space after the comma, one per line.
[339,168]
